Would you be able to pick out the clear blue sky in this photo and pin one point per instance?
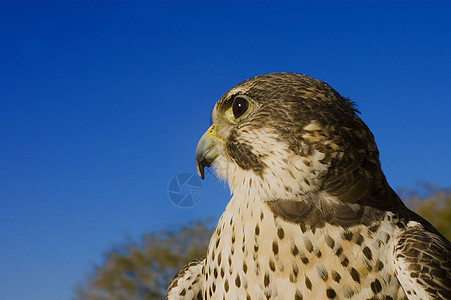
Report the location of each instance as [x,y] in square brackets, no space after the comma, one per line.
[102,103]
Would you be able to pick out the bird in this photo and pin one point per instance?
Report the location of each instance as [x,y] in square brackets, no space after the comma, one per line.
[312,215]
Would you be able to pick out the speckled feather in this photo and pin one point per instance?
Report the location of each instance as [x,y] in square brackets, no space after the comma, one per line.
[312,216]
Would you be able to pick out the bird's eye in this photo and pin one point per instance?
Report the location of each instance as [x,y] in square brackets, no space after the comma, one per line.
[239,107]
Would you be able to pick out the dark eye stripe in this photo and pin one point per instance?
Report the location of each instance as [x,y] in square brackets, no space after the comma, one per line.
[240,106]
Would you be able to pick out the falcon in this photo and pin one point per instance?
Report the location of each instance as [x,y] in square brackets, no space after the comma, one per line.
[312,215]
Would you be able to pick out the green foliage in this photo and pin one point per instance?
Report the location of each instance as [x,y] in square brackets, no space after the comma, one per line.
[142,271]
[435,207]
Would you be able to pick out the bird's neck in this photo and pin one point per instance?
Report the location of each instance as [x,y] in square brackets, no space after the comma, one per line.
[312,210]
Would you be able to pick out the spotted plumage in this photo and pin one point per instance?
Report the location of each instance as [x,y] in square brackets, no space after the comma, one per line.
[311,216]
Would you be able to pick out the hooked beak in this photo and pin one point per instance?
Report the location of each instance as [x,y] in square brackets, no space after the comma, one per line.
[206,151]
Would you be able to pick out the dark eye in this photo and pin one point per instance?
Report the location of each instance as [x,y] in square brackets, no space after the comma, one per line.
[240,106]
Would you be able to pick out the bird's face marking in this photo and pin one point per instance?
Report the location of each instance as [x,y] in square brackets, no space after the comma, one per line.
[286,134]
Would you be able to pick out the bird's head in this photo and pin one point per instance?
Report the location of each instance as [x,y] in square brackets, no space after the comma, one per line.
[285,134]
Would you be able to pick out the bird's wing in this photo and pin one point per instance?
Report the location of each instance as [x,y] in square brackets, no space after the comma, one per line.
[423,263]
[187,284]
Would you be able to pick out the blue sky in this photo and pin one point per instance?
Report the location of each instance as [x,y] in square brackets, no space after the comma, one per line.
[102,103]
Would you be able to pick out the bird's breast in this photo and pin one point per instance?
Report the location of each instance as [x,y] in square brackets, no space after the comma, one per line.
[257,254]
